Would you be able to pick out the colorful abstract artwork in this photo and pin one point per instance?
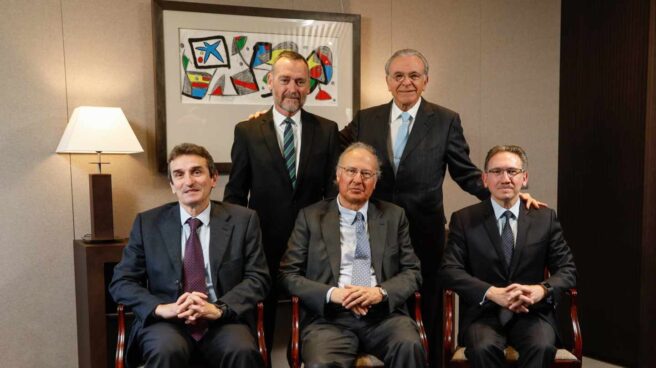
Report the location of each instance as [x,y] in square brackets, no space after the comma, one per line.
[210,58]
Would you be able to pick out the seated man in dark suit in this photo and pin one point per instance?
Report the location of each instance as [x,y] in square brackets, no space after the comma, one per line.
[192,273]
[495,259]
[351,263]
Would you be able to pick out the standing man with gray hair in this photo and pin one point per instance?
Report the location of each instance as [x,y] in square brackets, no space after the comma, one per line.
[416,142]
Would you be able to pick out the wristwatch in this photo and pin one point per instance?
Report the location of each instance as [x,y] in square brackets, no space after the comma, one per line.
[224,309]
[383,292]
[547,288]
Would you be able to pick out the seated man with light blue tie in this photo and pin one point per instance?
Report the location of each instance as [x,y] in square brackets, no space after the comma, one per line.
[192,273]
[351,263]
[495,260]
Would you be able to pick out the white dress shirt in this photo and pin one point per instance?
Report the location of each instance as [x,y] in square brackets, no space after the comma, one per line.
[297,127]
[347,239]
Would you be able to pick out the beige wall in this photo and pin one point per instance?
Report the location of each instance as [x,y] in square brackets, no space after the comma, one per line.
[496,62]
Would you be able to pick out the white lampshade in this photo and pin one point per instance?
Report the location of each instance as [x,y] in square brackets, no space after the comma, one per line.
[98,129]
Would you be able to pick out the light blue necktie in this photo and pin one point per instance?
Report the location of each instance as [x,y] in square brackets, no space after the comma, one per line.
[289,151]
[401,138]
[361,275]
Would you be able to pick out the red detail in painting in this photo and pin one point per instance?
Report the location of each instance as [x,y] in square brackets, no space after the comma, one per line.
[316,72]
[251,86]
[323,95]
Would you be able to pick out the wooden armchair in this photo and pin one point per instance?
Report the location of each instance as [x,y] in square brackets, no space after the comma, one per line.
[119,361]
[454,355]
[363,360]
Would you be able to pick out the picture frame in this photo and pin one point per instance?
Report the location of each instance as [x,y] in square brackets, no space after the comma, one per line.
[211,63]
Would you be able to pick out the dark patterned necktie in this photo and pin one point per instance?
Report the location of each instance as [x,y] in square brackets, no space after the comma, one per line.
[194,273]
[289,151]
[507,238]
[361,275]
[508,243]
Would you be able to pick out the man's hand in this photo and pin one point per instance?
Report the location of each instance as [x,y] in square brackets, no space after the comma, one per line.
[167,311]
[530,294]
[531,202]
[256,114]
[341,295]
[362,296]
[504,296]
[194,306]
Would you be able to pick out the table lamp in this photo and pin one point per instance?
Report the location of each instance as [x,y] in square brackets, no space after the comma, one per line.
[99,130]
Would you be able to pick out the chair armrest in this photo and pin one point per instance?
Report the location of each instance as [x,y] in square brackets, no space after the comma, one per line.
[576,328]
[295,353]
[420,324]
[119,359]
[448,320]
[261,342]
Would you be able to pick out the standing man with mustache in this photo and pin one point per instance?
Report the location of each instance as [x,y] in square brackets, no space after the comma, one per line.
[282,161]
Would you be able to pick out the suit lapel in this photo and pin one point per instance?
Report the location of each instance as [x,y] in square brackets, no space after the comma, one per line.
[523,226]
[383,137]
[377,239]
[330,235]
[170,228]
[307,135]
[419,129]
[270,136]
[220,235]
[493,232]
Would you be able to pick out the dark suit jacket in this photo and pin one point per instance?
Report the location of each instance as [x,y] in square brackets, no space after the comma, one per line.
[310,266]
[150,272]
[435,143]
[258,170]
[473,259]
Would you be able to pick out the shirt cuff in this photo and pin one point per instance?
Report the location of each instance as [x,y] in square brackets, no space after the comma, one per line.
[484,296]
[328,294]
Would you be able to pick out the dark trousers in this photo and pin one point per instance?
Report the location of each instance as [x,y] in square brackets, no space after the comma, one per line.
[428,242]
[168,344]
[532,337]
[335,341]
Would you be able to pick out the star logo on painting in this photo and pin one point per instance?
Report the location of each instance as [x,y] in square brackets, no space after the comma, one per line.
[210,49]
[209,52]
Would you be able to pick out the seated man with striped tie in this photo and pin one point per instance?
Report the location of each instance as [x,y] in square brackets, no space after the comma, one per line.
[192,273]
[495,259]
[351,263]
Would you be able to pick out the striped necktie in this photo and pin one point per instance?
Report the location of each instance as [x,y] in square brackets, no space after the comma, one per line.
[289,151]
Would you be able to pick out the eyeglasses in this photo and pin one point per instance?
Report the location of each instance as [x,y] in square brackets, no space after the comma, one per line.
[351,172]
[414,77]
[512,172]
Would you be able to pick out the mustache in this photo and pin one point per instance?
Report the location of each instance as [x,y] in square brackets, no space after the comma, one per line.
[295,95]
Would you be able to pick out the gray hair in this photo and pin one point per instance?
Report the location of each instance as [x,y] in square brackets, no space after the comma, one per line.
[363,146]
[517,150]
[407,52]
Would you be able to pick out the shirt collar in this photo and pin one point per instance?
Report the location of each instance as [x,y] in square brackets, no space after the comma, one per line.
[396,112]
[349,215]
[203,216]
[279,118]
[499,211]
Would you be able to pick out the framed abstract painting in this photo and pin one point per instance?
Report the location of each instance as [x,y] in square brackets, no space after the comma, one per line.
[212,61]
